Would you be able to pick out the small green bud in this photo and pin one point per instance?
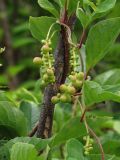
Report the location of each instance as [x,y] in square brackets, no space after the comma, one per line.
[63,98]
[71,90]
[43,41]
[80,75]
[90,148]
[55,100]
[2,50]
[45,77]
[37,60]
[73,78]
[86,153]
[77,84]
[43,84]
[45,48]
[58,95]
[50,72]
[63,88]
[91,141]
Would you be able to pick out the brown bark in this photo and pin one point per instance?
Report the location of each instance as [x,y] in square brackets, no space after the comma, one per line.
[61,71]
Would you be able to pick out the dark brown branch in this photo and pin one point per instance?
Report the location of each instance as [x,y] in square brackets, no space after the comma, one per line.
[61,70]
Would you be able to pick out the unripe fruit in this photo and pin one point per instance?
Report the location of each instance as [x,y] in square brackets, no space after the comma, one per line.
[71,90]
[37,60]
[80,75]
[91,141]
[69,99]
[43,84]
[55,100]
[64,98]
[43,41]
[90,148]
[63,88]
[77,84]
[73,78]
[86,153]
[50,72]
[58,95]
[45,77]
[45,48]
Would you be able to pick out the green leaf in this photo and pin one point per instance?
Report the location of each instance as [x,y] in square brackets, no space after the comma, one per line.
[31,112]
[100,39]
[23,151]
[98,157]
[45,4]
[74,150]
[38,143]
[94,93]
[105,6]
[84,19]
[12,121]
[111,77]
[39,28]
[72,129]
[114,146]
[24,94]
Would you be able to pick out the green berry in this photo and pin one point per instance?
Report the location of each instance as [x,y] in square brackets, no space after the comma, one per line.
[90,148]
[69,99]
[50,72]
[37,60]
[86,153]
[58,95]
[55,100]
[43,41]
[45,48]
[80,75]
[91,141]
[64,98]
[63,88]
[45,77]
[43,84]
[73,78]
[77,84]
[71,90]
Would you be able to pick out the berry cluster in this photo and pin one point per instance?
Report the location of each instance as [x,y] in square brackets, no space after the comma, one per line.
[65,94]
[89,144]
[46,62]
[76,79]
[67,91]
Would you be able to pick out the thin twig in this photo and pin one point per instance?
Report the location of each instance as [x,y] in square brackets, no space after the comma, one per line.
[83,115]
[74,106]
[34,130]
[82,39]
[98,142]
